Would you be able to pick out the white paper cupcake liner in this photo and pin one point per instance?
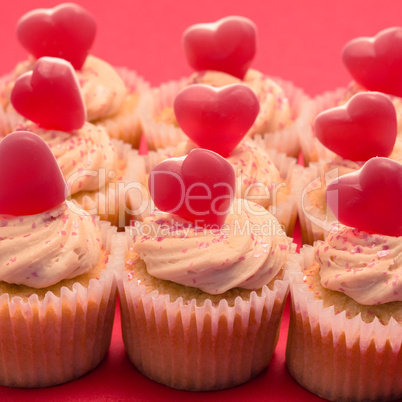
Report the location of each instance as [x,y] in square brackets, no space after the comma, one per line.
[311,147]
[339,358]
[127,126]
[125,199]
[197,348]
[315,223]
[161,134]
[60,338]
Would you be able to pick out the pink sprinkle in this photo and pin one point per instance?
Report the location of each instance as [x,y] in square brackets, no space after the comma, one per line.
[203,245]
[61,246]
[283,246]
[63,232]
[27,235]
[184,251]
[74,234]
[242,258]
[3,223]
[13,259]
[34,274]
[383,253]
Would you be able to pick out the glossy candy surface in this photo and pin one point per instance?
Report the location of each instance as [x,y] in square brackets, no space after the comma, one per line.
[66,31]
[30,179]
[50,95]
[365,127]
[369,199]
[216,118]
[376,62]
[199,187]
[228,45]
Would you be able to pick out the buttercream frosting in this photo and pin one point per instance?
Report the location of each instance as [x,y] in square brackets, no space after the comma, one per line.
[80,154]
[247,252]
[43,249]
[366,267]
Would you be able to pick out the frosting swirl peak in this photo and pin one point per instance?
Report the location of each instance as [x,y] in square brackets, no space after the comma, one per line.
[247,252]
[366,267]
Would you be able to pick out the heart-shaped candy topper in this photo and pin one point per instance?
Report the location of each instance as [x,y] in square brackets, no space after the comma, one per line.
[216,118]
[376,62]
[199,187]
[369,199]
[365,127]
[30,179]
[228,45]
[66,31]
[50,95]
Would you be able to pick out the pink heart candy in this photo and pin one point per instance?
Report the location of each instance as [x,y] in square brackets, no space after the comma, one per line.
[30,179]
[50,95]
[216,118]
[376,62]
[369,199]
[199,187]
[66,31]
[228,45]
[365,127]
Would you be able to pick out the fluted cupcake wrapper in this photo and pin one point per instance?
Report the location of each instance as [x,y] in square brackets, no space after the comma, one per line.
[315,222]
[160,134]
[199,348]
[60,338]
[339,358]
[125,199]
[311,147]
[127,126]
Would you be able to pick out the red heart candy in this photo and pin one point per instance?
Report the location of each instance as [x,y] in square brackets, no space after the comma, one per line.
[199,187]
[66,31]
[216,118]
[369,199]
[376,62]
[363,128]
[50,95]
[30,179]
[228,45]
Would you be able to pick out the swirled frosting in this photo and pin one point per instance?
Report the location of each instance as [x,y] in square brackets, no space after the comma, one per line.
[366,267]
[41,250]
[102,88]
[247,252]
[257,178]
[274,105]
[80,154]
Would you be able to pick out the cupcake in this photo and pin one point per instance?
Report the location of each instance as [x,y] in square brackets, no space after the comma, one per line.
[218,119]
[282,106]
[57,288]
[346,313]
[111,96]
[96,168]
[365,127]
[202,288]
[374,63]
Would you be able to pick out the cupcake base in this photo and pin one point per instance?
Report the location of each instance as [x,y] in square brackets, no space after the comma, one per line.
[338,358]
[189,345]
[55,339]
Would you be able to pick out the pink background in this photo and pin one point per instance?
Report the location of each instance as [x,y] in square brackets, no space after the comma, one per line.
[299,40]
